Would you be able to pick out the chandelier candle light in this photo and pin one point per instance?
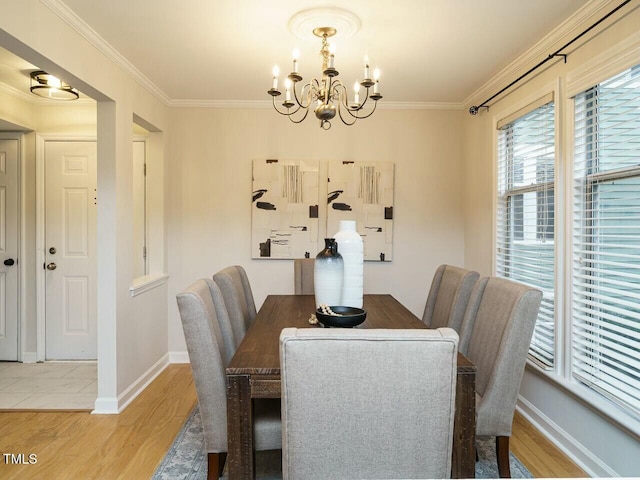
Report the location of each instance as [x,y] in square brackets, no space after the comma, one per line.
[328,95]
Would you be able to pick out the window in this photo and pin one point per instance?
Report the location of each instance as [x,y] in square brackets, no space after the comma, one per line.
[605,352]
[139,206]
[525,216]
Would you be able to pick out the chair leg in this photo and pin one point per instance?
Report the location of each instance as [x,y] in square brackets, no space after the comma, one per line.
[215,465]
[502,453]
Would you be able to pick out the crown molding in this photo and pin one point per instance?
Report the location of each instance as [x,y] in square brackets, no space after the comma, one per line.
[584,18]
[420,106]
[220,103]
[18,94]
[88,33]
[266,104]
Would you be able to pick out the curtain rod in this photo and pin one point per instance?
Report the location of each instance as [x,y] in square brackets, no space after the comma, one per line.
[474,109]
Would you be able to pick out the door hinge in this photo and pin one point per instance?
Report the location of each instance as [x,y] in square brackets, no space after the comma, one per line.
[144,252]
[145,170]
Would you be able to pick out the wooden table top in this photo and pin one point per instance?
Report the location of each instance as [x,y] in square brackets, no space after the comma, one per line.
[258,353]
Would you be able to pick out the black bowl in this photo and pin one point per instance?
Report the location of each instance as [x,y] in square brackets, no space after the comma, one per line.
[349,317]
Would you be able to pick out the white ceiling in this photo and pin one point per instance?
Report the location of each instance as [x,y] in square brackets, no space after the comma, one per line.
[429,51]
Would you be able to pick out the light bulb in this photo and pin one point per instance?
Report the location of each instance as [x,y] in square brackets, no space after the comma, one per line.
[276,71]
[287,93]
[376,74]
[54,82]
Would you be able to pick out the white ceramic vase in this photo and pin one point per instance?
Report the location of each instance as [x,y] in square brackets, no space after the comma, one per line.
[328,271]
[351,247]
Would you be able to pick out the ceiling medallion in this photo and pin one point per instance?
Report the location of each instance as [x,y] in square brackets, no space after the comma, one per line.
[346,23]
[327,95]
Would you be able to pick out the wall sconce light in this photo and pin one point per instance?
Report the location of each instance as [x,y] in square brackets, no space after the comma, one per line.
[47,86]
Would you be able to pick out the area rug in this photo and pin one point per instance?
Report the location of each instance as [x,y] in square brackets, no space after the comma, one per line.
[186,459]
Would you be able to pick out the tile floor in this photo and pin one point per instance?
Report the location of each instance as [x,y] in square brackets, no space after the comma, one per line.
[48,386]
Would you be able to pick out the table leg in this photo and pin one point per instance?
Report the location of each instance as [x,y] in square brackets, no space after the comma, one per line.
[240,459]
[463,463]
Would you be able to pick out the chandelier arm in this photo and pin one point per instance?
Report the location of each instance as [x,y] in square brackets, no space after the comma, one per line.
[333,85]
[300,100]
[375,104]
[340,107]
[287,113]
[306,112]
[362,117]
[342,118]
[291,114]
[345,104]
[360,107]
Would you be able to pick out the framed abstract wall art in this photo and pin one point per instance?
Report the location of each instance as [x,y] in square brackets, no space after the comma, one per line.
[284,212]
[363,191]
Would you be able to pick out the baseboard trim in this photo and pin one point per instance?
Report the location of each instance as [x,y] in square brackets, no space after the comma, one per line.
[179,357]
[112,405]
[106,406]
[571,447]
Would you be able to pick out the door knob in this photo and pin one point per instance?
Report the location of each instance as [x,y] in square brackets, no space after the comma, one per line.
[51,266]
[9,261]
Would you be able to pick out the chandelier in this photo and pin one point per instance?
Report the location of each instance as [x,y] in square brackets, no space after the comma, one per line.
[327,96]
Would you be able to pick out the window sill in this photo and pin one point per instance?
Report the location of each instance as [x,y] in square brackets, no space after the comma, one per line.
[148,282]
[614,413]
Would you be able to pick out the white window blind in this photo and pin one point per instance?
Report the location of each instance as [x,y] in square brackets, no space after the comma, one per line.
[606,239]
[525,215]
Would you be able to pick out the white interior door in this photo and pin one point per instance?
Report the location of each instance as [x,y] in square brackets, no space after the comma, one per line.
[9,249]
[70,250]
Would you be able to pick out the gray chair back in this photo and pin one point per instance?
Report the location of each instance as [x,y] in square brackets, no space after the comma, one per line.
[198,306]
[205,346]
[496,333]
[303,276]
[229,342]
[353,402]
[238,298]
[448,297]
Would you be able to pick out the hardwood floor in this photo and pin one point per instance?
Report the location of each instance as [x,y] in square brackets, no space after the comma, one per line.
[539,455]
[78,445]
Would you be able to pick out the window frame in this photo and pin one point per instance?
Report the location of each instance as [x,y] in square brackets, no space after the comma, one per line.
[550,92]
[588,384]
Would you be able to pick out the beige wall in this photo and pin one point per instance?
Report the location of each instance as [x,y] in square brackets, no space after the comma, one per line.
[126,355]
[589,436]
[210,186]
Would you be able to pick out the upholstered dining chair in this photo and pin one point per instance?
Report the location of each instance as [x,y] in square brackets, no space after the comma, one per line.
[229,341]
[448,297]
[206,354]
[238,298]
[353,402]
[496,333]
[303,276]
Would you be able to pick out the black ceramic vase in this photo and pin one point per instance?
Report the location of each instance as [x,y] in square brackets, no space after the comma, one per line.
[327,274]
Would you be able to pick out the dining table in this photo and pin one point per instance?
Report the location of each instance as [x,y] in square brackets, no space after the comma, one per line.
[254,372]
